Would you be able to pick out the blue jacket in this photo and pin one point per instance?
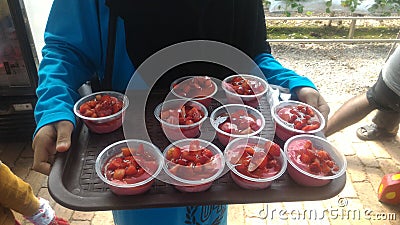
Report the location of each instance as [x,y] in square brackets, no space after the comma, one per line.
[75,50]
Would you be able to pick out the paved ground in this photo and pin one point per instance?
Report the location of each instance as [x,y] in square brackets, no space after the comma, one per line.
[358,202]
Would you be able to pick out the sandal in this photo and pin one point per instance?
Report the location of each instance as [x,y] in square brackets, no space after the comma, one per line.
[372,132]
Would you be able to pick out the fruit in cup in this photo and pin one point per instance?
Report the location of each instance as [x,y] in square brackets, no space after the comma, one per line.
[244,86]
[101,106]
[299,117]
[312,160]
[193,165]
[195,87]
[191,156]
[239,122]
[186,115]
[257,161]
[130,166]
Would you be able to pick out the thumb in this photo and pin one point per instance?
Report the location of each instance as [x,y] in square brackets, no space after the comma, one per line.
[64,131]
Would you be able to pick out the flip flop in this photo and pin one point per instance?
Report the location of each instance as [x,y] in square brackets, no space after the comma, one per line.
[372,132]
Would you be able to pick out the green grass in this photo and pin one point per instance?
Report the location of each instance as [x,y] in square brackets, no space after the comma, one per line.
[329,32]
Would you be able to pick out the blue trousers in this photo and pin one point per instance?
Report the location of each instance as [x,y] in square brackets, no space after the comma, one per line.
[196,215]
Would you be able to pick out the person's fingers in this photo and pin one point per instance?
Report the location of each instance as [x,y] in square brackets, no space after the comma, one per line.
[48,140]
[313,97]
[43,146]
[64,131]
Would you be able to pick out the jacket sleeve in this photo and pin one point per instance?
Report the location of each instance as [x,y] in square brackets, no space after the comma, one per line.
[278,75]
[71,54]
[16,194]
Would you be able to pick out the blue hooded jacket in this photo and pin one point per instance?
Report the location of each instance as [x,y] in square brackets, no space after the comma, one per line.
[75,50]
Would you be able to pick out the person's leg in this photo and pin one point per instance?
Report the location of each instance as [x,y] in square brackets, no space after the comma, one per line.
[349,113]
[205,215]
[387,120]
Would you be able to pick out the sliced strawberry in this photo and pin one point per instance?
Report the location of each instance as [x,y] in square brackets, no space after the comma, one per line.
[315,167]
[189,156]
[323,155]
[330,163]
[89,113]
[309,111]
[308,144]
[131,170]
[182,162]
[305,158]
[207,152]
[119,174]
[325,168]
[249,150]
[140,172]
[83,108]
[284,114]
[117,107]
[228,127]
[125,151]
[274,149]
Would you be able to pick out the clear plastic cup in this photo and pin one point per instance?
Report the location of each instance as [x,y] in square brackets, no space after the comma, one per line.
[285,129]
[256,173]
[148,164]
[233,97]
[102,124]
[196,88]
[219,117]
[187,171]
[302,172]
[172,129]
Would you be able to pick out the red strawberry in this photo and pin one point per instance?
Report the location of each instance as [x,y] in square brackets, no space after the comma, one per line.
[119,174]
[131,170]
[315,167]
[125,151]
[305,158]
[274,149]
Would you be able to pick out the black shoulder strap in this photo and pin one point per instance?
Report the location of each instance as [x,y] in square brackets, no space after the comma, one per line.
[106,84]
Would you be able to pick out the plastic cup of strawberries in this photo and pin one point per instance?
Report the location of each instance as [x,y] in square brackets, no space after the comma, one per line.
[196,88]
[129,167]
[102,112]
[244,89]
[254,162]
[294,118]
[180,118]
[313,161]
[193,164]
[236,121]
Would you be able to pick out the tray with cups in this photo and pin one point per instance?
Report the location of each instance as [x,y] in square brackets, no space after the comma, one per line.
[211,143]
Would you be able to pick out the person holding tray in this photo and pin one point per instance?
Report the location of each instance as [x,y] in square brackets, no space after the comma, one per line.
[76,48]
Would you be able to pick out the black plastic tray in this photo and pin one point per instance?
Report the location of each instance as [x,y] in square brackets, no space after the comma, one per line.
[74,184]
